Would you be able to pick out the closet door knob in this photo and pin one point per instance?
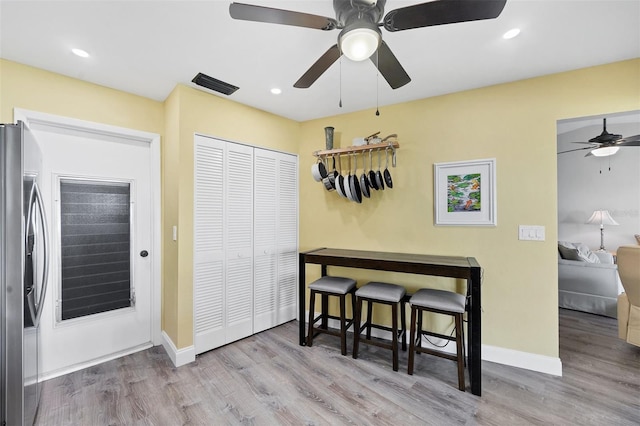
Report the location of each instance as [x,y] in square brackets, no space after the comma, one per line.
[144,253]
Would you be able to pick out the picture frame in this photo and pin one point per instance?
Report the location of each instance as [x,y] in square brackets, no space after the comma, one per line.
[465,193]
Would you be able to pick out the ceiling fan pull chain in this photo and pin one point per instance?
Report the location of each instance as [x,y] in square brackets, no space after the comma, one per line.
[340,84]
[377,85]
[340,103]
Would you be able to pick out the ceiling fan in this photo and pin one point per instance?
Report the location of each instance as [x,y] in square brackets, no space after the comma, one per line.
[360,36]
[606,143]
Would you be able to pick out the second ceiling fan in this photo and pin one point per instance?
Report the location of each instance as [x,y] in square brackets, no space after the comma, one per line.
[360,36]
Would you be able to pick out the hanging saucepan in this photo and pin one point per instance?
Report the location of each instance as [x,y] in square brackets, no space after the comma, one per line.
[387,174]
[372,174]
[318,170]
[328,184]
[355,185]
[379,178]
[333,175]
[340,180]
[364,182]
[347,182]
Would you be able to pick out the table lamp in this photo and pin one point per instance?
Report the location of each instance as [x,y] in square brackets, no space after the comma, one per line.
[602,218]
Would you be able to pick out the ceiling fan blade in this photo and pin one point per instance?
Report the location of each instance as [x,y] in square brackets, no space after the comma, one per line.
[577,149]
[442,12]
[248,12]
[390,67]
[629,141]
[318,68]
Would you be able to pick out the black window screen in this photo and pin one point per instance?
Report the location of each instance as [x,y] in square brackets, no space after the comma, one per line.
[95,236]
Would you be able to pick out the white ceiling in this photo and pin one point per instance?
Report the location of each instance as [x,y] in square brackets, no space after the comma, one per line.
[147,47]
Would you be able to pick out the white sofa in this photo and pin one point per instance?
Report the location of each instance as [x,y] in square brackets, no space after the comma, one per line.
[589,287]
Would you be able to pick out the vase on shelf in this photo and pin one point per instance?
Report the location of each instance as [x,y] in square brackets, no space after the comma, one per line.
[328,136]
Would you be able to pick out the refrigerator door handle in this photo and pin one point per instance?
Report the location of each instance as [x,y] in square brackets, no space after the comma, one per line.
[30,257]
[45,253]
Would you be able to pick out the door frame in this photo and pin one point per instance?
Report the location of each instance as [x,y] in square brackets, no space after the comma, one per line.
[60,124]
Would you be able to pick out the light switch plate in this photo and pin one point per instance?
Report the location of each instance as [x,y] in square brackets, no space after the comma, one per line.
[175,233]
[531,232]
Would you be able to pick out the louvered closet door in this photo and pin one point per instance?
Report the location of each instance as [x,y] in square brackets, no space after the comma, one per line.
[239,242]
[287,237]
[245,241]
[208,233]
[265,234]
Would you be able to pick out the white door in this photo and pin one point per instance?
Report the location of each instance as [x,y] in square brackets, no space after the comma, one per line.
[239,242]
[99,192]
[287,237]
[276,238]
[223,242]
[208,244]
[266,240]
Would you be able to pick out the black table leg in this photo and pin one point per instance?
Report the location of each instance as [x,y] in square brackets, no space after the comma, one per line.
[475,337]
[301,292]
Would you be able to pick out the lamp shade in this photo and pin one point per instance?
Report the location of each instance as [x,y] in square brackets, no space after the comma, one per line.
[601,217]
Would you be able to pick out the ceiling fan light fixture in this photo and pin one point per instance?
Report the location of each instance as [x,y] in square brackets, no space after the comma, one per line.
[360,41]
[605,151]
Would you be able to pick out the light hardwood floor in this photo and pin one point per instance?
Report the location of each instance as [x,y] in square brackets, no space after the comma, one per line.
[268,379]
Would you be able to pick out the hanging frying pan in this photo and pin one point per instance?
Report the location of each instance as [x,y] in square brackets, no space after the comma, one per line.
[347,183]
[379,178]
[372,174]
[340,181]
[355,185]
[364,182]
[334,173]
[387,174]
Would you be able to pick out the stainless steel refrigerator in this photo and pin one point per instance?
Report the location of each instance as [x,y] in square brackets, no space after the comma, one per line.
[24,264]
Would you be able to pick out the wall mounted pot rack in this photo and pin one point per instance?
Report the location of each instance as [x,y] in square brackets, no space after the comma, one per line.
[353,149]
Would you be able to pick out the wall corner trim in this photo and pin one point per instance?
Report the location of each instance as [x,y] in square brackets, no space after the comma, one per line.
[526,360]
[179,357]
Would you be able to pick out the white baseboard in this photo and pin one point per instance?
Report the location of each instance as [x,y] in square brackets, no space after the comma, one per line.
[81,366]
[513,358]
[526,360]
[179,357]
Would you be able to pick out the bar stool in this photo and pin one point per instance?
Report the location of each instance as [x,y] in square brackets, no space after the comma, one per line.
[331,286]
[441,302]
[386,294]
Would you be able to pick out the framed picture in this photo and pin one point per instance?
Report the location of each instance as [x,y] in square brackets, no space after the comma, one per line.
[465,193]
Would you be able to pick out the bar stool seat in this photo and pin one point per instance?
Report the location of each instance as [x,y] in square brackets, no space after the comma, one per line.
[331,286]
[387,294]
[442,302]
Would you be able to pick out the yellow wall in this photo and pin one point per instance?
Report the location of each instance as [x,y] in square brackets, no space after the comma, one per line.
[514,123]
[30,88]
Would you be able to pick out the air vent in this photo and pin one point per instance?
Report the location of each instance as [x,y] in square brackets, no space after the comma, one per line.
[214,84]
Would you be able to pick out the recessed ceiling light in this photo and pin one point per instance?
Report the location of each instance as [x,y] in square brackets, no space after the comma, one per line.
[80,52]
[511,33]
[276,91]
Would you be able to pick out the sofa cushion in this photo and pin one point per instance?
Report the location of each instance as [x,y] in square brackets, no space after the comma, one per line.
[585,254]
[568,251]
[577,251]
